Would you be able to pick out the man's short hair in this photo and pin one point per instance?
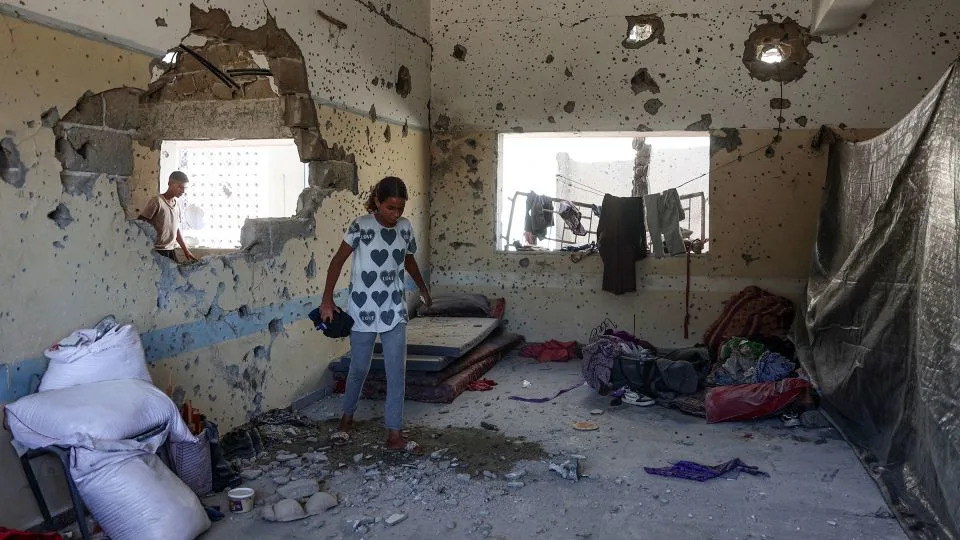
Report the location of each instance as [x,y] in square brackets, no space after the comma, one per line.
[179,177]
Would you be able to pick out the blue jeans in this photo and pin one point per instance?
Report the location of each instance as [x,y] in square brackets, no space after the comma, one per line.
[394,359]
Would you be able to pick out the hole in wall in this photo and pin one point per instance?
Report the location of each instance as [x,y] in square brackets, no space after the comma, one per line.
[643,30]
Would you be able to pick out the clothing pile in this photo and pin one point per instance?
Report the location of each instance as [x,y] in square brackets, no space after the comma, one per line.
[552,351]
[745,362]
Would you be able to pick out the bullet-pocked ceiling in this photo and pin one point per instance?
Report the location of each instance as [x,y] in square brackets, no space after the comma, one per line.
[544,65]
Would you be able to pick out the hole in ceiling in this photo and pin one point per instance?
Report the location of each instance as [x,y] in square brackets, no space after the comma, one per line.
[170,57]
[771,54]
[639,32]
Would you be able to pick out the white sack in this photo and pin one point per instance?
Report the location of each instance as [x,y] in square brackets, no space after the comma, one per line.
[117,355]
[134,496]
[94,416]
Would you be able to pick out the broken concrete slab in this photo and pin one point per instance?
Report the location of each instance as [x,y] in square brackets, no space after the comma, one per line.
[285,510]
[320,501]
[299,489]
[265,237]
[290,75]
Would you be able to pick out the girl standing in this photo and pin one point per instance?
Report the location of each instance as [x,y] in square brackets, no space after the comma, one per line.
[383,246]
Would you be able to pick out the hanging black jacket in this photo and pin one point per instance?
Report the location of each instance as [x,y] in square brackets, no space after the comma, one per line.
[622,239]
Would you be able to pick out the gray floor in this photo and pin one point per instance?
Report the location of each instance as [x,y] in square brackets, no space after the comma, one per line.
[816,489]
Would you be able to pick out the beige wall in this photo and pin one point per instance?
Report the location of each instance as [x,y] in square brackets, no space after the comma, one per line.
[763,222]
[105,264]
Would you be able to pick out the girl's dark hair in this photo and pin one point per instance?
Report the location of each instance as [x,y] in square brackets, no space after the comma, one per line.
[391,186]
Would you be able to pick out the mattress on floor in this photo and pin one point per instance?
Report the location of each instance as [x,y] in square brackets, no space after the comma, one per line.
[498,343]
[415,362]
[449,337]
[445,386]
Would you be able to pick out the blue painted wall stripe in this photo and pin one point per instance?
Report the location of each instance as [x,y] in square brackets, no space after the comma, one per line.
[19,379]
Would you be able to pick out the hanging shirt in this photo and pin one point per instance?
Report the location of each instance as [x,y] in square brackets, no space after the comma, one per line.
[377,294]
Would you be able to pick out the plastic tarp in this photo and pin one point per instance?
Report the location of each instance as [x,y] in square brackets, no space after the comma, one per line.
[881,335]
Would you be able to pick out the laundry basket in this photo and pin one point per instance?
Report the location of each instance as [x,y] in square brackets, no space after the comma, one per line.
[191,462]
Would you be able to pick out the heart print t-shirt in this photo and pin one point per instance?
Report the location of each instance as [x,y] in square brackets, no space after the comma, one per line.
[377,294]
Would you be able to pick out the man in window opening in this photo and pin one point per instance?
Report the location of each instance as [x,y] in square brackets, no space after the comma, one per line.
[163,212]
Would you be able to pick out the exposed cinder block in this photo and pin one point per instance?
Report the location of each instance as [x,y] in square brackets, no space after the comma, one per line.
[92,150]
[310,200]
[299,111]
[121,108]
[313,147]
[333,175]
[290,75]
[88,111]
[265,237]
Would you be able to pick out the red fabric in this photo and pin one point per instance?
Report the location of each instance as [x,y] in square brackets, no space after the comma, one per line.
[481,385]
[10,534]
[499,308]
[751,401]
[551,351]
[751,312]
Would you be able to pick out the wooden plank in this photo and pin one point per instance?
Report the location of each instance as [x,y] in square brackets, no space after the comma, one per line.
[446,336]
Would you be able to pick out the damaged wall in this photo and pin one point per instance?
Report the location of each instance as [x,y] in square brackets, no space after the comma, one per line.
[579,69]
[230,333]
[354,49]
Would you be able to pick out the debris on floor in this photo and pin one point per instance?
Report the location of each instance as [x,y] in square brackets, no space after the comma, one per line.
[689,470]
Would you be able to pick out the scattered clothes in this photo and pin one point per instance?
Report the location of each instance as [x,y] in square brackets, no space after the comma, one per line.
[751,401]
[773,367]
[689,470]
[622,239]
[630,338]
[738,365]
[546,399]
[539,216]
[664,214]
[572,217]
[481,385]
[551,351]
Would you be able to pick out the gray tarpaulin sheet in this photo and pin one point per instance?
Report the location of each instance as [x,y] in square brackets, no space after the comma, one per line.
[881,334]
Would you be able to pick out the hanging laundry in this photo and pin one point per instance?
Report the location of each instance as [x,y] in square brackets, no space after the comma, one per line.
[664,214]
[539,216]
[622,240]
[572,217]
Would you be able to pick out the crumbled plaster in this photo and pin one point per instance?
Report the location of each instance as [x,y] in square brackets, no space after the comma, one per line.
[459,52]
[569,107]
[642,81]
[337,23]
[12,170]
[779,103]
[61,216]
[652,105]
[701,125]
[725,139]
[404,85]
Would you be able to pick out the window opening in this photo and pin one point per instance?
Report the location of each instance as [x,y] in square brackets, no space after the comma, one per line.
[582,168]
[231,181]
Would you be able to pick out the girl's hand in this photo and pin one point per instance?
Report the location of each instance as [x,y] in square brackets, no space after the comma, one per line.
[327,309]
[425,295]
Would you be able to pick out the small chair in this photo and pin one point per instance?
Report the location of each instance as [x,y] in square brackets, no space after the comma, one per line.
[63,455]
